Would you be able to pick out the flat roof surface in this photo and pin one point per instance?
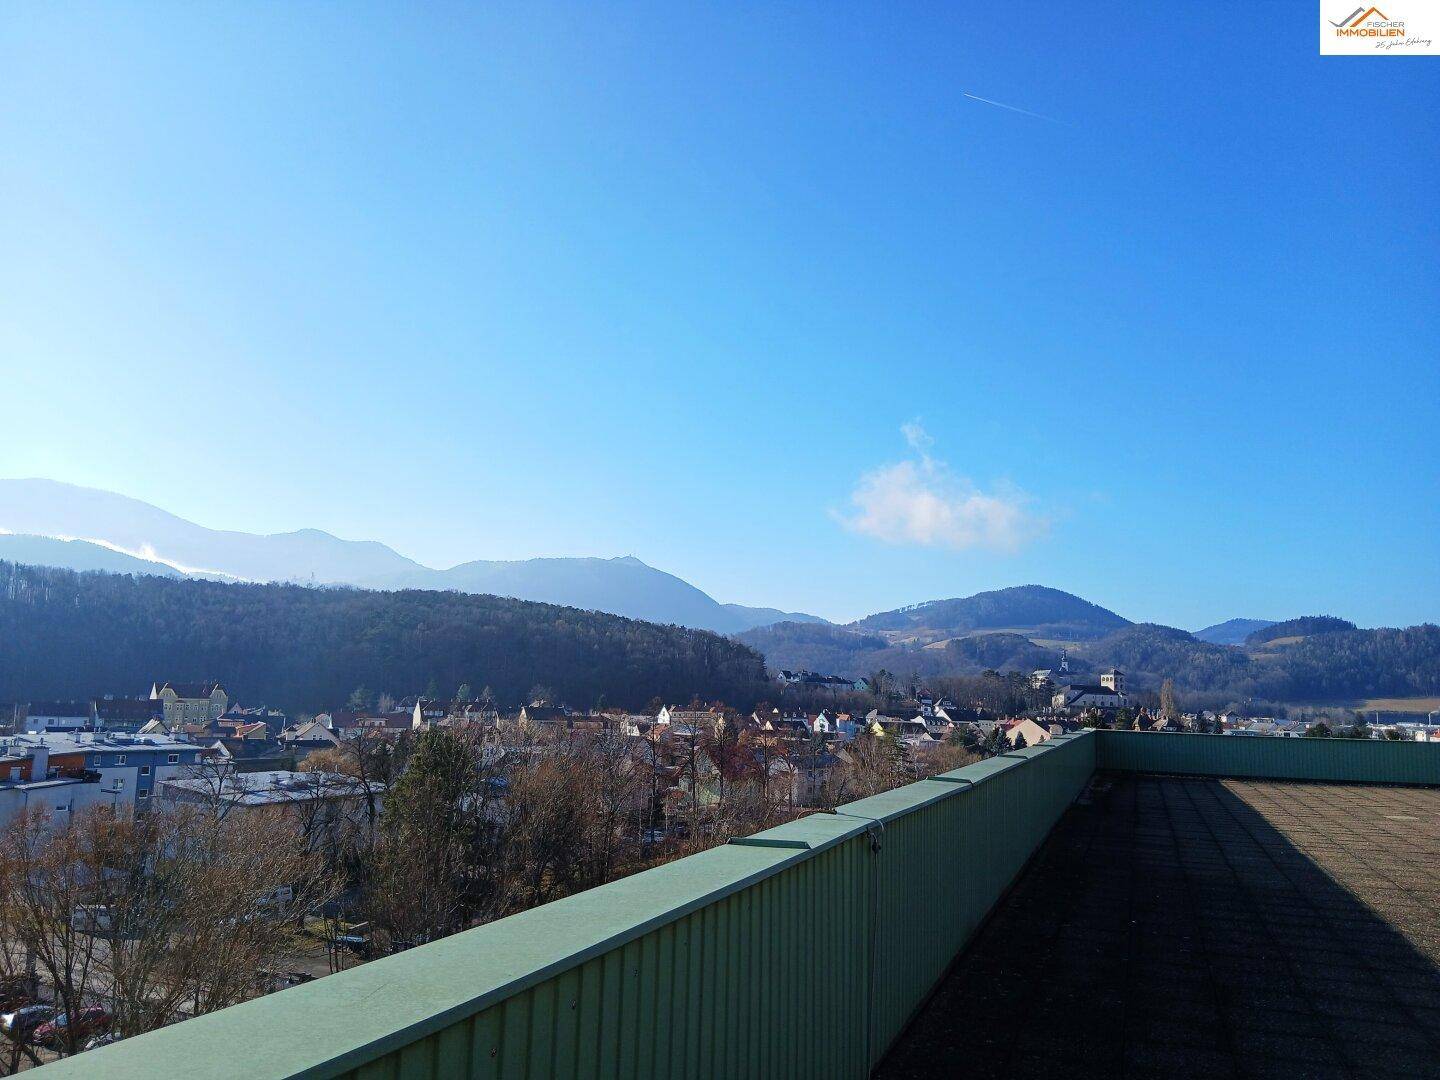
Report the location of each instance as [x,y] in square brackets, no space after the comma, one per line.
[1174,927]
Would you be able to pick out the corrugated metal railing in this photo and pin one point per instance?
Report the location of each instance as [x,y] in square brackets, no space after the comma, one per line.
[1263,757]
[799,952]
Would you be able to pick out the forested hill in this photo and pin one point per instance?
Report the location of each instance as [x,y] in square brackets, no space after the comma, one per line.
[1305,626]
[69,635]
[1339,665]
[1033,608]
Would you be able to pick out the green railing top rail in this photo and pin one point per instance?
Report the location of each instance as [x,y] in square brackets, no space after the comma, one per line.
[347,1020]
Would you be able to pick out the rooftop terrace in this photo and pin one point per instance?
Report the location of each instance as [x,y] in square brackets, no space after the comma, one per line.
[1207,906]
[1177,926]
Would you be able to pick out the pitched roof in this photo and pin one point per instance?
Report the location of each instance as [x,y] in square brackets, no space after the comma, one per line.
[190,690]
[59,708]
[127,708]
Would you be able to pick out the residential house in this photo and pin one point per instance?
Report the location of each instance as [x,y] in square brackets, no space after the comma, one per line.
[274,720]
[190,703]
[126,715]
[791,724]
[426,711]
[1034,732]
[238,728]
[805,779]
[303,739]
[1078,696]
[1148,721]
[58,716]
[636,725]
[814,680]
[691,722]
[950,713]
[534,714]
[913,729]
[349,724]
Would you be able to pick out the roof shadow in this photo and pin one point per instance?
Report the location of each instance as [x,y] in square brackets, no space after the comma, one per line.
[1183,926]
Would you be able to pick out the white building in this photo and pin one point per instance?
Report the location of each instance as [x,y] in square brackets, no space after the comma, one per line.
[60,716]
[1089,696]
[333,796]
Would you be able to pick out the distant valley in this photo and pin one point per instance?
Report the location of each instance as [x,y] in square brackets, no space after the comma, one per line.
[1029,627]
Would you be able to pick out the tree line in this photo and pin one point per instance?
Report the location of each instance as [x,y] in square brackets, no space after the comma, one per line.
[72,635]
[1332,663]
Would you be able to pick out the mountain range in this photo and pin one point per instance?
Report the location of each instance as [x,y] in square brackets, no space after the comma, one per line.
[45,523]
[54,524]
[1326,660]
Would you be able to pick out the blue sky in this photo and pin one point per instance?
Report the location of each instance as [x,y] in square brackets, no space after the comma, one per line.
[750,291]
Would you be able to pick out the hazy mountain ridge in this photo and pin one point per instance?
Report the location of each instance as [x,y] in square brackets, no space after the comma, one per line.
[1232,631]
[77,555]
[158,542]
[50,508]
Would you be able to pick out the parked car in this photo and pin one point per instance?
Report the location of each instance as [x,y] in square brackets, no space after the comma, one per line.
[358,944]
[20,1025]
[103,1040]
[270,981]
[17,991]
[84,1023]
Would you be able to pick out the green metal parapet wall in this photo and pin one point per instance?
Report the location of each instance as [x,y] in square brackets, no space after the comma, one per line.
[798,952]
[1369,761]
[801,951]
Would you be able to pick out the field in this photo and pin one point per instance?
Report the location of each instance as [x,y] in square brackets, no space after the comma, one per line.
[1044,643]
[1419,705]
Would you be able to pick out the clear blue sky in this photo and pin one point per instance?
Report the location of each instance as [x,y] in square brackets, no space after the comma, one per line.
[669,280]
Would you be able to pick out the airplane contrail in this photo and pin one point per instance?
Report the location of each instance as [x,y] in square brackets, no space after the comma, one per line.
[1012,108]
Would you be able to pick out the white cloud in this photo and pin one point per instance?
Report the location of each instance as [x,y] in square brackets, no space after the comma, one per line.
[916,435]
[922,502]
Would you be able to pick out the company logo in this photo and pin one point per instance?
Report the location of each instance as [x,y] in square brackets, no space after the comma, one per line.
[1369,31]
[1359,23]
